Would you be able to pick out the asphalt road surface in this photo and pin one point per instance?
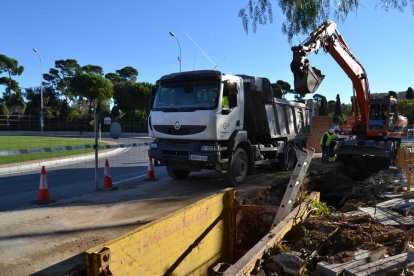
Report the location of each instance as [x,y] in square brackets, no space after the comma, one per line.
[19,189]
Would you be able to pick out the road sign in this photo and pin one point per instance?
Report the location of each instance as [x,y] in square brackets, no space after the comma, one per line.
[107,120]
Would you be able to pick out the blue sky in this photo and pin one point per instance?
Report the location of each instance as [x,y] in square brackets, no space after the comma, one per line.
[115,34]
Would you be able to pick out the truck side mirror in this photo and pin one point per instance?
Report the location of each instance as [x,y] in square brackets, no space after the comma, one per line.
[233,100]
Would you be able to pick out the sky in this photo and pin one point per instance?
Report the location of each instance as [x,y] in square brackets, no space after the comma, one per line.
[115,34]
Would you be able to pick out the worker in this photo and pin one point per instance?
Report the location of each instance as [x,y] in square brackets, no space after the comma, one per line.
[332,144]
[325,142]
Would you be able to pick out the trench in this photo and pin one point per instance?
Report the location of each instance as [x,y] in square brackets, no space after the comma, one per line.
[338,180]
[335,182]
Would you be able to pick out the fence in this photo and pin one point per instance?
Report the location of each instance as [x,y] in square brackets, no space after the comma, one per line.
[32,123]
[69,163]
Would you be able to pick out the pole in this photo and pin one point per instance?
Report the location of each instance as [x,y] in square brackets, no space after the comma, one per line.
[96,150]
[41,92]
[179,47]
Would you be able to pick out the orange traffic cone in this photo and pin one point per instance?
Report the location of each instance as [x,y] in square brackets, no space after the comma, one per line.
[150,171]
[43,196]
[107,177]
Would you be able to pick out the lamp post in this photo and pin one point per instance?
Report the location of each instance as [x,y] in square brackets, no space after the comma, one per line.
[41,91]
[179,47]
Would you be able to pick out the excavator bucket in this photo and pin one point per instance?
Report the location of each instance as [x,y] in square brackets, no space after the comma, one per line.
[306,78]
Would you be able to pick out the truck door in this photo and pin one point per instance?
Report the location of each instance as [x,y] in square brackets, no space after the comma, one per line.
[231,117]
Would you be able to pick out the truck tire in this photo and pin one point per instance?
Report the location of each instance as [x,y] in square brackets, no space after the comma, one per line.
[287,160]
[238,168]
[176,173]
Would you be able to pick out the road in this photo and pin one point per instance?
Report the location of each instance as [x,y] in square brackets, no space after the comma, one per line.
[50,239]
[74,178]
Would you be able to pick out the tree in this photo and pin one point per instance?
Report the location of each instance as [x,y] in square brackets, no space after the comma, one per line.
[53,105]
[128,73]
[3,109]
[11,67]
[338,110]
[114,78]
[410,94]
[323,109]
[331,107]
[302,17]
[281,88]
[132,98]
[96,69]
[59,77]
[299,97]
[94,88]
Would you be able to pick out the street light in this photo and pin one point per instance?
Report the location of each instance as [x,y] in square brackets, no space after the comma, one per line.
[41,92]
[179,47]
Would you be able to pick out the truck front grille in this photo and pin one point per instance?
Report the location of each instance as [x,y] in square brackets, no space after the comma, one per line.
[184,129]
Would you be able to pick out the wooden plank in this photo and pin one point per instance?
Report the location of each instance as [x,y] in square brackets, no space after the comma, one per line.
[386,216]
[390,203]
[246,263]
[361,257]
[189,241]
[383,266]
[391,195]
[355,213]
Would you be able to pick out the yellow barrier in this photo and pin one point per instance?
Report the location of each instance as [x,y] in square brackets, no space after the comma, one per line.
[405,160]
[189,241]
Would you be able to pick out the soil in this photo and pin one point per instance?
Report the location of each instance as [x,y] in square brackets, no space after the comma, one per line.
[335,236]
[50,240]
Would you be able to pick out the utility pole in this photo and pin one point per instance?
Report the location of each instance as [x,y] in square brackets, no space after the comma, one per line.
[179,48]
[41,92]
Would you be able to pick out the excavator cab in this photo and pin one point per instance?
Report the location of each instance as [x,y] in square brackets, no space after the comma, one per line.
[306,78]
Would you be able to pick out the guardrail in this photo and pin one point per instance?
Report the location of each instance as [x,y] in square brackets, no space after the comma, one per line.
[405,160]
[53,149]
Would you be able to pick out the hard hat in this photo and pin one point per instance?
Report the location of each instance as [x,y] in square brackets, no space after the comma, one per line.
[331,131]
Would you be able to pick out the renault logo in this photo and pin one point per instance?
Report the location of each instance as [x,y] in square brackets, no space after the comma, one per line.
[177,125]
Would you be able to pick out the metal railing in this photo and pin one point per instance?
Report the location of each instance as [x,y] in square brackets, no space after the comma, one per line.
[32,123]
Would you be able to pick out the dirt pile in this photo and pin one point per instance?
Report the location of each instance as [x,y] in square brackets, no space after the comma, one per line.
[335,239]
[333,235]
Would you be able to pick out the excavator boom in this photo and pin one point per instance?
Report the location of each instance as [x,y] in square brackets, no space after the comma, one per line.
[376,125]
[307,78]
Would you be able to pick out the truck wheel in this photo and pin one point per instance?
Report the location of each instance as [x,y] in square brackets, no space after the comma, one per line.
[288,159]
[238,167]
[177,174]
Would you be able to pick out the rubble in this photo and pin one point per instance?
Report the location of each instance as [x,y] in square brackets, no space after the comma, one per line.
[355,235]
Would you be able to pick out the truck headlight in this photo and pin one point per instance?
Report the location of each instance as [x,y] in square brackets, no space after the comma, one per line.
[154,145]
[210,148]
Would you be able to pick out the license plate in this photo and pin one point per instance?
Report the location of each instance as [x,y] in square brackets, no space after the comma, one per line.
[198,157]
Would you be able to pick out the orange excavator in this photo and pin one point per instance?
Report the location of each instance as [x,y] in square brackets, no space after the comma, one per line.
[374,128]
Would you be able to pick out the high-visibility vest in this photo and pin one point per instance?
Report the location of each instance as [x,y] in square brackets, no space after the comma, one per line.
[327,138]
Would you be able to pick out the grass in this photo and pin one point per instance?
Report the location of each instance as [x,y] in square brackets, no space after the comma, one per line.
[35,142]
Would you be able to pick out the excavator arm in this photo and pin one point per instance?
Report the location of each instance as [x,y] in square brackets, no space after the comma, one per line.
[307,78]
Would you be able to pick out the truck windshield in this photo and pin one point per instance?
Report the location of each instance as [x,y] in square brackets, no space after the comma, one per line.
[186,96]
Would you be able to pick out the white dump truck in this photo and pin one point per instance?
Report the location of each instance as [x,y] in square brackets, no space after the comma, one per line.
[230,123]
